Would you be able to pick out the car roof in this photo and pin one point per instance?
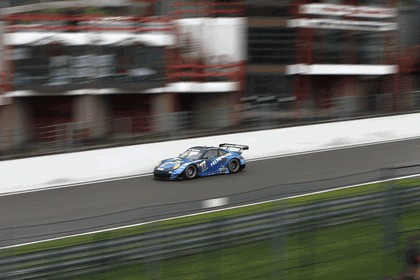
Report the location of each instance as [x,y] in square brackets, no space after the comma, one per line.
[204,148]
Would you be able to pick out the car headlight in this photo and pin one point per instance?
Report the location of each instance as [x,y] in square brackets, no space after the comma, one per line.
[176,166]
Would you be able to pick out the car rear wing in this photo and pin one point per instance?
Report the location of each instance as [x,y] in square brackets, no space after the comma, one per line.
[236,147]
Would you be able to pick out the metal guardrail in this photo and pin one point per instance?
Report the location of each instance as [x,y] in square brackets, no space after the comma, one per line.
[160,244]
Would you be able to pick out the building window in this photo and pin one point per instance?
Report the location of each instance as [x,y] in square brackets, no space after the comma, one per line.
[271,45]
[347,47]
[268,8]
[278,86]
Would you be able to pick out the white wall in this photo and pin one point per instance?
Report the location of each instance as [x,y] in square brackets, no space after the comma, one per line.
[48,171]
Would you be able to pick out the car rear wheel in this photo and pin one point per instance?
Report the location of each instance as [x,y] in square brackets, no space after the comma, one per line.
[234,166]
[191,172]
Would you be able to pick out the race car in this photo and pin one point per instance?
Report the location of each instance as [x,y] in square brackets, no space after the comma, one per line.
[202,161]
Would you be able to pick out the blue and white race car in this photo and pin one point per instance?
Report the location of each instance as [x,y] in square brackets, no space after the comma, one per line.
[202,161]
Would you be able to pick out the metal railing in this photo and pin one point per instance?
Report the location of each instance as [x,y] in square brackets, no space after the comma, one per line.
[88,23]
[252,114]
[157,244]
[187,9]
[206,72]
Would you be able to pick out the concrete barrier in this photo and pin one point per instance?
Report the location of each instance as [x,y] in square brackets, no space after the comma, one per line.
[55,170]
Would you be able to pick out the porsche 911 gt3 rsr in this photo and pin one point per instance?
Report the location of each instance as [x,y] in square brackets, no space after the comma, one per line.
[202,161]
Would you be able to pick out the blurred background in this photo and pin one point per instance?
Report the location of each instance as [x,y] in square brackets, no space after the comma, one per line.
[80,75]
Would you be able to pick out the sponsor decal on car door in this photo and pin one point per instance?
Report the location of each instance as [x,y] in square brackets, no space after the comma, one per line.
[203,166]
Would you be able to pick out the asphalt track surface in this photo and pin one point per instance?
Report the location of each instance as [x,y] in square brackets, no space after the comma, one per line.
[59,212]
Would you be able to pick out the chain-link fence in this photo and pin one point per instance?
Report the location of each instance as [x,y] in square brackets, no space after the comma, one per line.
[360,234]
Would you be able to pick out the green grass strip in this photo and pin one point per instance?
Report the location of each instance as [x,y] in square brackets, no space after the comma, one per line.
[346,252]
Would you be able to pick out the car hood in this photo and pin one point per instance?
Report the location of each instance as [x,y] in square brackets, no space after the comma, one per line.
[171,162]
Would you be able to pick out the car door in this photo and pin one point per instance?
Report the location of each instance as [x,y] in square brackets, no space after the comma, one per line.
[213,161]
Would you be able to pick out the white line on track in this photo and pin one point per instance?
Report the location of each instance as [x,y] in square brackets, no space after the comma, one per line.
[251,160]
[213,211]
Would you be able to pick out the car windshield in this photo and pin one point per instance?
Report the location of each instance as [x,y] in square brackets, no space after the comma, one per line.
[191,154]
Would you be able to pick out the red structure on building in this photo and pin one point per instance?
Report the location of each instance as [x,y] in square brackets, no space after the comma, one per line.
[343,51]
[144,69]
[73,74]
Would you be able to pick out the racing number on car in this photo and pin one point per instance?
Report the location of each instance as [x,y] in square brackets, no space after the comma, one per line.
[203,165]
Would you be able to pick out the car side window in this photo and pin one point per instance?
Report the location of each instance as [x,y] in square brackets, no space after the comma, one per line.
[222,152]
[211,154]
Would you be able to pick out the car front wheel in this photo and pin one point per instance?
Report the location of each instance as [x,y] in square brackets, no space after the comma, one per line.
[191,172]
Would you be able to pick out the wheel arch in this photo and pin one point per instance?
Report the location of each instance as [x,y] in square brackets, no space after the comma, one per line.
[186,167]
[239,164]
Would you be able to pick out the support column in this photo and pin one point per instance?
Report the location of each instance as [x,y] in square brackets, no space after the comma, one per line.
[350,97]
[215,110]
[15,125]
[302,83]
[92,116]
[162,107]
[302,89]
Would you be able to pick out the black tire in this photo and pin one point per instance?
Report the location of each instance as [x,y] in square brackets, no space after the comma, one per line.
[191,172]
[234,165]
